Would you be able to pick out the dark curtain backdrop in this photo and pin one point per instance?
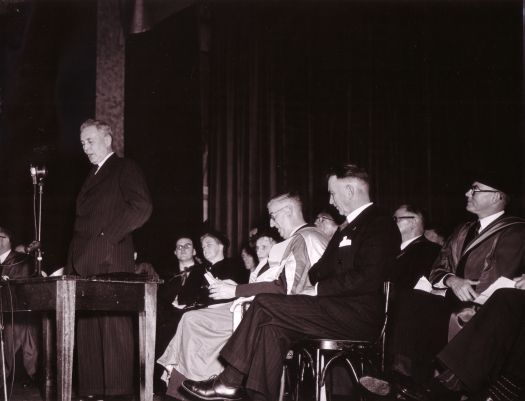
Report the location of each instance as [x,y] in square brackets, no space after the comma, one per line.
[272,92]
[419,93]
[47,88]
[162,131]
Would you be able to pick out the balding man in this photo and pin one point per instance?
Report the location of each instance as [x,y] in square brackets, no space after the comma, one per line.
[476,254]
[112,203]
[417,253]
[286,273]
[349,304]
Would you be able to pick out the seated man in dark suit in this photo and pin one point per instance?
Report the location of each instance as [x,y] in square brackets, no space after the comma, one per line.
[349,303]
[485,360]
[22,332]
[417,253]
[474,256]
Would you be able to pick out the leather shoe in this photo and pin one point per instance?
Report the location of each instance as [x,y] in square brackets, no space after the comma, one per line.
[434,391]
[212,389]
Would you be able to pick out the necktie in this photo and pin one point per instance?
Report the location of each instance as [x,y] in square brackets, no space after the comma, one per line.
[471,234]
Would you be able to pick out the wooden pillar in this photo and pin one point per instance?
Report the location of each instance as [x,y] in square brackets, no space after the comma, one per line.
[110,70]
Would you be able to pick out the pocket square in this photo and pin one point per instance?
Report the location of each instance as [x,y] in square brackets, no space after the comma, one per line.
[345,242]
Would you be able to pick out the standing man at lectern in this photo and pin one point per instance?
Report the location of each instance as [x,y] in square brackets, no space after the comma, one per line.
[113,202]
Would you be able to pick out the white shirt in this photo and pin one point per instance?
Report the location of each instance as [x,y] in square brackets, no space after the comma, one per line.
[485,221]
[408,242]
[352,216]
[103,161]
[3,256]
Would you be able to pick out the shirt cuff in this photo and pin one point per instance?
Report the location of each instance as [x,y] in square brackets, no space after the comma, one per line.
[441,283]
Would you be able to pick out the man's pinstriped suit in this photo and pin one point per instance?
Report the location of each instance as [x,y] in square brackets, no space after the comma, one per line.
[349,279]
[111,204]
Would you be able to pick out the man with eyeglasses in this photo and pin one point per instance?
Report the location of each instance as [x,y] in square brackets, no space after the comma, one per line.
[326,223]
[417,253]
[348,281]
[20,330]
[174,292]
[474,256]
[285,273]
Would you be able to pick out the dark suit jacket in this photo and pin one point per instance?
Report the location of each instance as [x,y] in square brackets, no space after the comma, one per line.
[110,206]
[350,278]
[23,332]
[502,254]
[196,289]
[16,265]
[413,262]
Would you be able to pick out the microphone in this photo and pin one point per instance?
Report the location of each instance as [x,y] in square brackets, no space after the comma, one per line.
[33,246]
[32,171]
[37,173]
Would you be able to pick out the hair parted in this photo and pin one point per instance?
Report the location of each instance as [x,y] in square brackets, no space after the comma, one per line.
[101,126]
[289,198]
[349,171]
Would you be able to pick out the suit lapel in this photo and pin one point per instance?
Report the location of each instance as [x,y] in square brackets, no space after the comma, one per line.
[415,242]
[93,179]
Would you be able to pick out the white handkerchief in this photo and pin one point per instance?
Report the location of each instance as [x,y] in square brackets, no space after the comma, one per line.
[345,242]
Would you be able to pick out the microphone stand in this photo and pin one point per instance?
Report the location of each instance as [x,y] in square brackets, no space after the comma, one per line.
[38,260]
[38,175]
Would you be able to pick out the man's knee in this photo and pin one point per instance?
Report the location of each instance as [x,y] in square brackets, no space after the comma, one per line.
[267,300]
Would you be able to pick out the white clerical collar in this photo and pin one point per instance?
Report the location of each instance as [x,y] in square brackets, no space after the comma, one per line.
[351,217]
[103,161]
[3,256]
[485,221]
[408,242]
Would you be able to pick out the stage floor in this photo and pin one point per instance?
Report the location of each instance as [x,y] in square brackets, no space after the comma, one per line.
[29,392]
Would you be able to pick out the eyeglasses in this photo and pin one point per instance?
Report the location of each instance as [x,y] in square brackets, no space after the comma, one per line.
[474,189]
[321,218]
[398,218]
[185,246]
[273,215]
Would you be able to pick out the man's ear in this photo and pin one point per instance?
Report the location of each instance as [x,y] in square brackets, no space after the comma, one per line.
[349,191]
[108,140]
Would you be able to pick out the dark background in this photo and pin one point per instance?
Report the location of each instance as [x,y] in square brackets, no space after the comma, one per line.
[420,93]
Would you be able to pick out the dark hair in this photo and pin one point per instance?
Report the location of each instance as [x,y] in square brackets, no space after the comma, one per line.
[349,170]
[8,233]
[217,235]
[416,210]
[249,249]
[183,235]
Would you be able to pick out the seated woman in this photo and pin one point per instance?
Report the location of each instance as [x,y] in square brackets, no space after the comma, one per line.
[193,352]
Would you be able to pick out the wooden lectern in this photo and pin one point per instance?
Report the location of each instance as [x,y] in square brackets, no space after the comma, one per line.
[67,294]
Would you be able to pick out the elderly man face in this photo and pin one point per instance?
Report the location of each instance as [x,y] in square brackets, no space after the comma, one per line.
[280,218]
[340,194]
[405,220]
[184,249]
[96,144]
[481,199]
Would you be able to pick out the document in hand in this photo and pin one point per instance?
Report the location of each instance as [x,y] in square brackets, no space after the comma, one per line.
[501,282]
[424,285]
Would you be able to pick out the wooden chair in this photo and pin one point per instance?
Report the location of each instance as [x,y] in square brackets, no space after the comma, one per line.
[317,355]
